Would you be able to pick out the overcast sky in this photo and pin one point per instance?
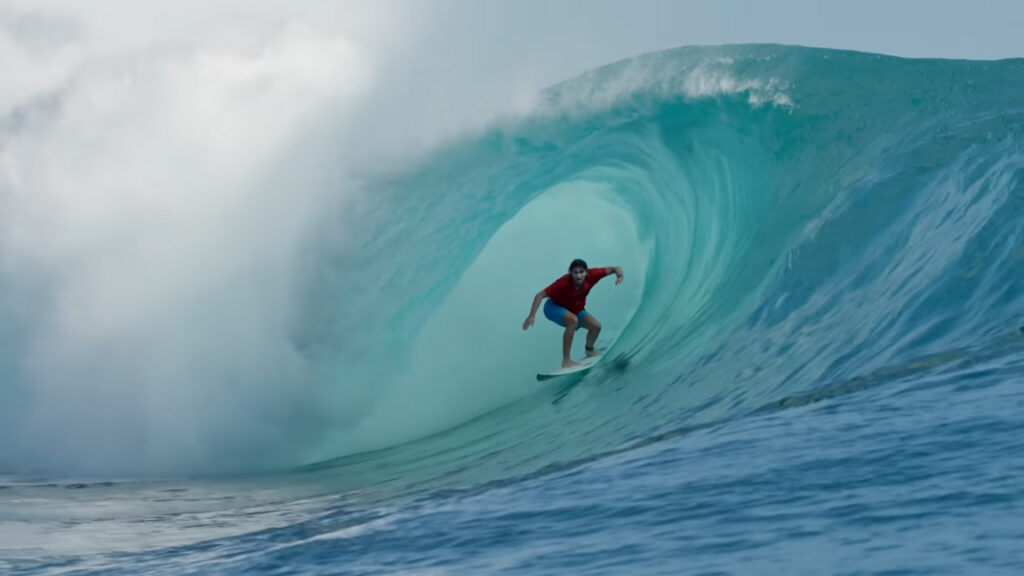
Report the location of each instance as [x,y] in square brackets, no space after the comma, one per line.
[597,31]
[943,28]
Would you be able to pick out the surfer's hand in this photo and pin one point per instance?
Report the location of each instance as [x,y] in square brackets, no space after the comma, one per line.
[528,322]
[619,275]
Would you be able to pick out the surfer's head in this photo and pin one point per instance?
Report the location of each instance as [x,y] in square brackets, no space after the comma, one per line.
[578,269]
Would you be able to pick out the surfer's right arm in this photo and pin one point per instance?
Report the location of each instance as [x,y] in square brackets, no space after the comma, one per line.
[533,309]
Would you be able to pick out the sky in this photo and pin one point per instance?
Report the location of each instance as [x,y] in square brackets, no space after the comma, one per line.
[598,31]
[164,167]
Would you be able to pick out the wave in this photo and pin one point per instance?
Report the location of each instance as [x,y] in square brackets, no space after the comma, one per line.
[788,219]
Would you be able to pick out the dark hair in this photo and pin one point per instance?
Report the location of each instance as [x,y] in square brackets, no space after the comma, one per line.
[577,263]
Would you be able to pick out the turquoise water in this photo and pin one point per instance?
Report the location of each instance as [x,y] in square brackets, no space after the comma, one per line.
[813,363]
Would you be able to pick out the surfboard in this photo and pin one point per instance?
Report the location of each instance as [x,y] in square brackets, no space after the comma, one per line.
[585,364]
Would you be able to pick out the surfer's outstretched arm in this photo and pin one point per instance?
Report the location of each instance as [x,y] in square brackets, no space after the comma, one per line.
[617,270]
[533,309]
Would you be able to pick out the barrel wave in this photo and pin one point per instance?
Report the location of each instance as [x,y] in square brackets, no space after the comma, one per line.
[793,224]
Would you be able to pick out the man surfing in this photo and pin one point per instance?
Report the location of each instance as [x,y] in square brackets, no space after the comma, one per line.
[567,302]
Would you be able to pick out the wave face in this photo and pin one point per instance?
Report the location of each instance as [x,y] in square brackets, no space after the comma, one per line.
[790,221]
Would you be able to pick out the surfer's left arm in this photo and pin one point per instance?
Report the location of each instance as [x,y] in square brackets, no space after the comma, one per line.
[617,270]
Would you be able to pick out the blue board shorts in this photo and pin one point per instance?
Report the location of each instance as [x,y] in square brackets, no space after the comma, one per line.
[556,314]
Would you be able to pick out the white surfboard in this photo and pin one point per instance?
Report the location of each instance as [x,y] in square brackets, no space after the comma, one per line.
[585,364]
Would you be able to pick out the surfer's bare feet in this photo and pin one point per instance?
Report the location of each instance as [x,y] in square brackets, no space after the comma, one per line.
[569,363]
[594,353]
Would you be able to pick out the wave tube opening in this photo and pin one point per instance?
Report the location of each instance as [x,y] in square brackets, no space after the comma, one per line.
[472,355]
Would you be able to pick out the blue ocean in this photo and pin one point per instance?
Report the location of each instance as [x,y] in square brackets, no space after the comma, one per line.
[814,364]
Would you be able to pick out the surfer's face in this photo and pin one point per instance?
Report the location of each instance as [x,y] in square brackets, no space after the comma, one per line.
[578,276]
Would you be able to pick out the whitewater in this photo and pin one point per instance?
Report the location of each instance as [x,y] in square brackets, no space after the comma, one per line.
[814,363]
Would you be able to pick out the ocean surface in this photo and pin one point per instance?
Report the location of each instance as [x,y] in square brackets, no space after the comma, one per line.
[815,363]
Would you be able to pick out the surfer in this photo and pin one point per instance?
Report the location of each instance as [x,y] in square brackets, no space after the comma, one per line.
[567,302]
